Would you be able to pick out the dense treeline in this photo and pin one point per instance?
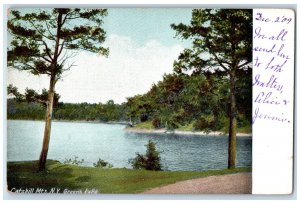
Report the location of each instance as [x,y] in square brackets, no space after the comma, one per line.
[67,111]
[23,110]
[198,100]
[91,112]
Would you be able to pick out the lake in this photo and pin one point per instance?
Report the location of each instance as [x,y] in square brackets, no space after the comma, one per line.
[91,141]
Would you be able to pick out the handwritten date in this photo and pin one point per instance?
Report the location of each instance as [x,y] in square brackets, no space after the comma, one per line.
[278,19]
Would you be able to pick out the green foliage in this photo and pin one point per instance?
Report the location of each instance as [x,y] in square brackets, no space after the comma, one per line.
[74,161]
[149,161]
[187,127]
[205,123]
[198,99]
[139,108]
[102,164]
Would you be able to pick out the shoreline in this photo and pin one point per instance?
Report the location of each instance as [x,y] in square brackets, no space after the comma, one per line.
[78,121]
[178,132]
[92,121]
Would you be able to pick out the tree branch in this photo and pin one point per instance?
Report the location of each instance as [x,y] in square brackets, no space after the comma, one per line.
[66,57]
[61,48]
[46,59]
[219,61]
[69,67]
[73,18]
[65,18]
[48,28]
[47,50]
[243,64]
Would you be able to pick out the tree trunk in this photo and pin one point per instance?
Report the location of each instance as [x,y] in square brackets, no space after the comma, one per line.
[47,131]
[232,124]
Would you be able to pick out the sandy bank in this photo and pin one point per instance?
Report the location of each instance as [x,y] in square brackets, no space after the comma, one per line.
[178,132]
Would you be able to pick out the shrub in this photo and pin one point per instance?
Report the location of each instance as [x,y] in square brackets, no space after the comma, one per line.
[74,161]
[102,164]
[149,161]
[138,162]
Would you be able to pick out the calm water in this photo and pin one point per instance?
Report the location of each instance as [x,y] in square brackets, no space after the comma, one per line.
[91,141]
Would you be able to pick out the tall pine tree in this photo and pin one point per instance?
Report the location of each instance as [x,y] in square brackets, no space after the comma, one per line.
[222,46]
[42,40]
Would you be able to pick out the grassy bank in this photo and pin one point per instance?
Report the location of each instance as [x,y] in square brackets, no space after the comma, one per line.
[24,175]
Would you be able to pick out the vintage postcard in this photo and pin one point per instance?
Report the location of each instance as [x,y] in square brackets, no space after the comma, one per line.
[149,100]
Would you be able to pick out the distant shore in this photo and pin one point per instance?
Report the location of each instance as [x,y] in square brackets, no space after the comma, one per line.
[178,132]
[78,121]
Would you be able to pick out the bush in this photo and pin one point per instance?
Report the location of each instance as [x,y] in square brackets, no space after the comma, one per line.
[156,123]
[74,161]
[102,164]
[150,161]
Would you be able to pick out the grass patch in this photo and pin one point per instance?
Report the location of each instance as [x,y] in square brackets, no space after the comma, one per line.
[117,180]
[144,125]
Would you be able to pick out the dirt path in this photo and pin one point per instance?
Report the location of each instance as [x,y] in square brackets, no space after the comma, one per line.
[239,183]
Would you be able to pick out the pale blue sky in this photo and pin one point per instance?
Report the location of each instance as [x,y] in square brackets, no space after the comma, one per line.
[142,49]
[144,24]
